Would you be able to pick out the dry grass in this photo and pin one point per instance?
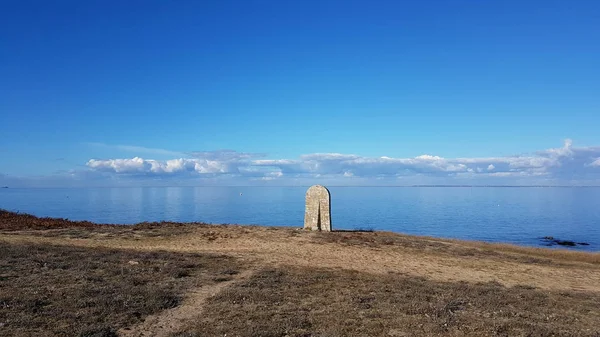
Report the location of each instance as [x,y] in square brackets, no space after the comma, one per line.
[48,290]
[557,254]
[291,301]
[424,244]
[67,278]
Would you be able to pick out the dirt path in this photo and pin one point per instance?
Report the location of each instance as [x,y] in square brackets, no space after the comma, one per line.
[170,321]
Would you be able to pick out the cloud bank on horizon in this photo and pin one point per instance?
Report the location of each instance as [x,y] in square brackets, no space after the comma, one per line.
[564,164]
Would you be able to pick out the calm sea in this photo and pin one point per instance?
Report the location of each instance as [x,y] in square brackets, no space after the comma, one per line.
[514,215]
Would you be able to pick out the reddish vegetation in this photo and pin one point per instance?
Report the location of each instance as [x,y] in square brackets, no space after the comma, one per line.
[12,221]
[18,221]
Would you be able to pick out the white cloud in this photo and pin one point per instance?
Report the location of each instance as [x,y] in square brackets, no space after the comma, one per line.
[208,162]
[564,151]
[149,166]
[328,156]
[567,162]
[121,165]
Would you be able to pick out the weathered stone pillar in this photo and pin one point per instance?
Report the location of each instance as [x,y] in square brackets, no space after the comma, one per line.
[318,209]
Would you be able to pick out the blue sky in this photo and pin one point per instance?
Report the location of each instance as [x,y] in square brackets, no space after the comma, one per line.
[297,92]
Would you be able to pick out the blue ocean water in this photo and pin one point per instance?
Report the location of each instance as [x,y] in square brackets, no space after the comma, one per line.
[495,214]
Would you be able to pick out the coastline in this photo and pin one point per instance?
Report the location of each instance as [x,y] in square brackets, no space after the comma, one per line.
[335,267]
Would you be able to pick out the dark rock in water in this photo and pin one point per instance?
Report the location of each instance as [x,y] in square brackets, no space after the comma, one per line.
[565,243]
[551,241]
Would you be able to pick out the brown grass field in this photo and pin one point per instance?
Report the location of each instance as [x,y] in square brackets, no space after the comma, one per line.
[64,278]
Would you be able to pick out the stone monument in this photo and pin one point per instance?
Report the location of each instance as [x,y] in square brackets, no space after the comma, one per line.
[318,209]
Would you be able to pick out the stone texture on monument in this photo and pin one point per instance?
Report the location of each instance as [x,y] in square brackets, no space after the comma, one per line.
[317,215]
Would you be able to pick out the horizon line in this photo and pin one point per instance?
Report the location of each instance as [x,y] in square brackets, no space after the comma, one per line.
[387,186]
